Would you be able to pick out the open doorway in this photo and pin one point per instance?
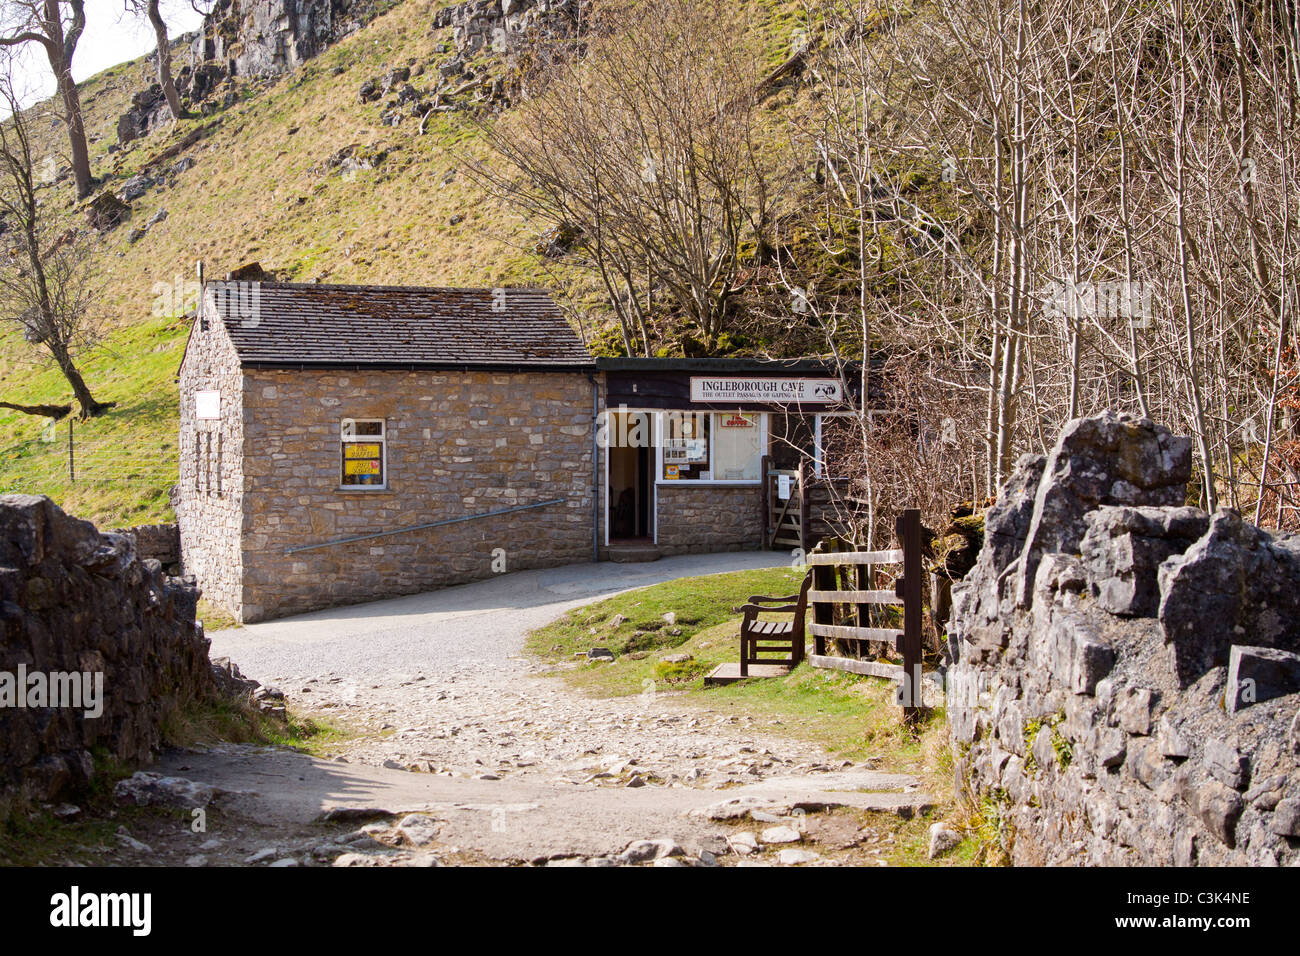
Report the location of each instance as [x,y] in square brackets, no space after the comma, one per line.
[631,477]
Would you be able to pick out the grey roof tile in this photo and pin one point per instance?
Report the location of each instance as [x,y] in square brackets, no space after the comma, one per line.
[273,323]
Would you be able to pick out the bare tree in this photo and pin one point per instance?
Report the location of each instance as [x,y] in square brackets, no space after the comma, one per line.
[642,141]
[46,283]
[1060,207]
[55,25]
[149,9]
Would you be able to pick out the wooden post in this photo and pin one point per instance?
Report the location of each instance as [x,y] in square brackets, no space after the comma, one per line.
[823,611]
[805,538]
[72,465]
[862,582]
[908,528]
[764,502]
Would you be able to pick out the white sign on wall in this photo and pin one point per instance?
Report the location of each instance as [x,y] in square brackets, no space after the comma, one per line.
[777,391]
[207,405]
[686,451]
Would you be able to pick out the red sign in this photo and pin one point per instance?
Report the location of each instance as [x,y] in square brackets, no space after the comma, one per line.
[738,421]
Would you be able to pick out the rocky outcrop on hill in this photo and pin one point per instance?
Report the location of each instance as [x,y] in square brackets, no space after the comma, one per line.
[500,25]
[495,45]
[268,37]
[1126,677]
[248,39]
[97,648]
[516,32]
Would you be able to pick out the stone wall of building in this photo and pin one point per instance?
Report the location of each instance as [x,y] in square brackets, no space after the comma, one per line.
[73,602]
[698,518]
[209,493]
[459,444]
[1126,677]
[157,542]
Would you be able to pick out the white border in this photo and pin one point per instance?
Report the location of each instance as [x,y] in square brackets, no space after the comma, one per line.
[692,482]
[359,439]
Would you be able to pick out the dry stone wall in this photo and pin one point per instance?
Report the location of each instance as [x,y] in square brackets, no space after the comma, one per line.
[77,603]
[1126,677]
[157,542]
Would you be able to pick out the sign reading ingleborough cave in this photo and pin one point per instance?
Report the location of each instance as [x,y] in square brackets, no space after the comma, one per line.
[767,390]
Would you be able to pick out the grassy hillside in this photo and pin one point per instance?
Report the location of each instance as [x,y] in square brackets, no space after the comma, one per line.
[123,462]
[262,189]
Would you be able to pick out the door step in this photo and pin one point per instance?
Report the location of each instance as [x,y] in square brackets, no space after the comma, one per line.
[632,553]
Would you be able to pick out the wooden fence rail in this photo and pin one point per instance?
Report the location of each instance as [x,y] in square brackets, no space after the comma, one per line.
[855,567]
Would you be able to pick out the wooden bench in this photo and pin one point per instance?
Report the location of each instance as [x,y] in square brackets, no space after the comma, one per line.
[773,637]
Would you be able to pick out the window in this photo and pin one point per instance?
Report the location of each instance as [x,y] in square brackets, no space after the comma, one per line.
[216,465]
[712,446]
[686,445]
[364,453]
[737,447]
[200,461]
[207,464]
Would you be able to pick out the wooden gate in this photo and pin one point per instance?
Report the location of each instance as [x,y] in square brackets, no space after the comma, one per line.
[786,517]
[842,613]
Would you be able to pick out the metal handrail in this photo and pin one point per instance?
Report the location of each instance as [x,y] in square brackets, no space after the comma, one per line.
[422,527]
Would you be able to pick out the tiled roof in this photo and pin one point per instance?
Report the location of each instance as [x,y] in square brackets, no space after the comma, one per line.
[274,323]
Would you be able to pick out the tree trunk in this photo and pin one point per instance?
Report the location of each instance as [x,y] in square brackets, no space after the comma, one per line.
[59,55]
[164,60]
[89,407]
[40,411]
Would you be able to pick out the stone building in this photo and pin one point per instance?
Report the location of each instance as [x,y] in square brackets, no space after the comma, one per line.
[345,443]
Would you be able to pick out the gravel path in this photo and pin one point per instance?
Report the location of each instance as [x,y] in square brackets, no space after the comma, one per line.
[480,624]
[449,718]
[438,683]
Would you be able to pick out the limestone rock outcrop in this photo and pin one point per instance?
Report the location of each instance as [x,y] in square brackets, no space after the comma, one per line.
[500,24]
[516,33]
[1126,677]
[244,39]
[268,37]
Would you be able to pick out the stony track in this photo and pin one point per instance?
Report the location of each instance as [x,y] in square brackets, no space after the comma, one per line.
[475,757]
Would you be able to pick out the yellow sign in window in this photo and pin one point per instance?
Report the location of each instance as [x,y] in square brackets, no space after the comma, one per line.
[353,450]
[360,467]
